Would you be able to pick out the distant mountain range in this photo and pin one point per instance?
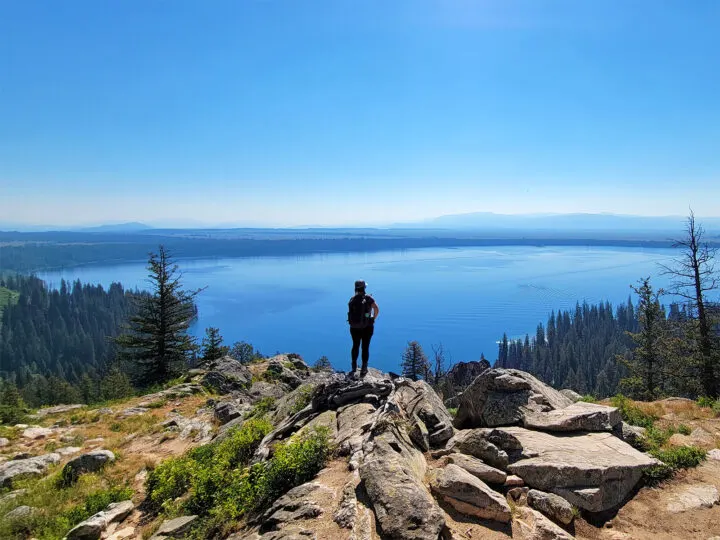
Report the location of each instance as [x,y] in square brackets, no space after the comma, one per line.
[486,222]
[489,221]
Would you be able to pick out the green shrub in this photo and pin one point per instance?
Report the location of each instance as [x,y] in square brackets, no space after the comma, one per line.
[452,411]
[657,437]
[631,413]
[657,473]
[303,398]
[684,430]
[716,407]
[96,502]
[588,398]
[202,473]
[263,406]
[704,401]
[681,457]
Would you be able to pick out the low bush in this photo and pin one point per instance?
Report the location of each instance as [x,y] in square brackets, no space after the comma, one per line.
[588,398]
[673,460]
[215,481]
[203,471]
[631,413]
[262,407]
[684,429]
[452,411]
[704,401]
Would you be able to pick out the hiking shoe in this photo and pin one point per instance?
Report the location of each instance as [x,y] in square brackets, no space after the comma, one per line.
[363,372]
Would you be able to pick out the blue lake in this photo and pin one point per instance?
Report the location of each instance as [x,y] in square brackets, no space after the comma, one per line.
[465,297]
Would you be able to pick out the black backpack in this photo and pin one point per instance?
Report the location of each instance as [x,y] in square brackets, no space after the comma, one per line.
[359,311]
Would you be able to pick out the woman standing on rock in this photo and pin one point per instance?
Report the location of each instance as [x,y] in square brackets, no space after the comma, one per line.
[362,312]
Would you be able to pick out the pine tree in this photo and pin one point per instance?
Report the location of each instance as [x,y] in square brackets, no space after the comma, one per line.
[116,385]
[415,364]
[157,342]
[212,347]
[323,364]
[244,352]
[645,363]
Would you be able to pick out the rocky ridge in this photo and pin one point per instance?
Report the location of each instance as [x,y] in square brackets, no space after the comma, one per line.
[519,459]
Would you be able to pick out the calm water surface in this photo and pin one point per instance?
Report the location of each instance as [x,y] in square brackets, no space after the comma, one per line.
[465,297]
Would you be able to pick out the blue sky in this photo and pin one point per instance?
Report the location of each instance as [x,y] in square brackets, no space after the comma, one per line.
[346,112]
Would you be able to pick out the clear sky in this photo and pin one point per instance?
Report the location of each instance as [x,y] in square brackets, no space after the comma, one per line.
[348,112]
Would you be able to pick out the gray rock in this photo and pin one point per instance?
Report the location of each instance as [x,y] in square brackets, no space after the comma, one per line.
[22,468]
[225,411]
[226,375]
[476,467]
[393,473]
[468,494]
[500,397]
[474,442]
[572,395]
[714,454]
[58,409]
[295,505]
[635,436]
[261,389]
[353,422]
[576,417]
[37,432]
[93,527]
[12,495]
[68,450]
[553,506]
[87,463]
[694,497]
[346,512]
[174,528]
[418,399]
[594,471]
[133,411]
[534,526]
[4,442]
[514,481]
[419,434]
[278,370]
[21,512]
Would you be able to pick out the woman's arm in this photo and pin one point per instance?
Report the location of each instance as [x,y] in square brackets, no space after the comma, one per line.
[376,310]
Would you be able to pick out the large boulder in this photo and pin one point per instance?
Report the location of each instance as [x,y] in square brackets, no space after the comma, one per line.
[532,525]
[500,397]
[353,421]
[93,527]
[579,416]
[461,375]
[22,468]
[87,463]
[477,443]
[393,473]
[553,506]
[420,401]
[476,467]
[227,375]
[468,494]
[594,471]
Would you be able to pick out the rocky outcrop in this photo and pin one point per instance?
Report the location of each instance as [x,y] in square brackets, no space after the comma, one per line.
[476,467]
[635,436]
[468,494]
[37,432]
[461,375]
[692,497]
[23,468]
[594,471]
[579,416]
[291,507]
[58,409]
[87,463]
[475,442]
[422,404]
[92,528]
[174,528]
[534,526]
[226,375]
[572,395]
[553,506]
[500,397]
[392,473]
[225,411]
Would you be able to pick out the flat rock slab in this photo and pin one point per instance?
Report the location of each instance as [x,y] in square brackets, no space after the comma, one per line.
[468,494]
[693,497]
[594,471]
[58,409]
[93,527]
[175,528]
[20,468]
[579,416]
[37,432]
[476,467]
[534,526]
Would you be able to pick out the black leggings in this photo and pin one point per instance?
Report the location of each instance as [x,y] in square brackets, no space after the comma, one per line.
[361,336]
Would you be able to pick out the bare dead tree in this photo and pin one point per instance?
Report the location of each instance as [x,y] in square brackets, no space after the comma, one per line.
[439,361]
[693,278]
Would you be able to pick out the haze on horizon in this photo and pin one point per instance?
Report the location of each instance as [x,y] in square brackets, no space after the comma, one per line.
[274,113]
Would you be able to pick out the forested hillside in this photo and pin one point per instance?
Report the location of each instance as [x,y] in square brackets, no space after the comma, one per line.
[56,344]
[576,349]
